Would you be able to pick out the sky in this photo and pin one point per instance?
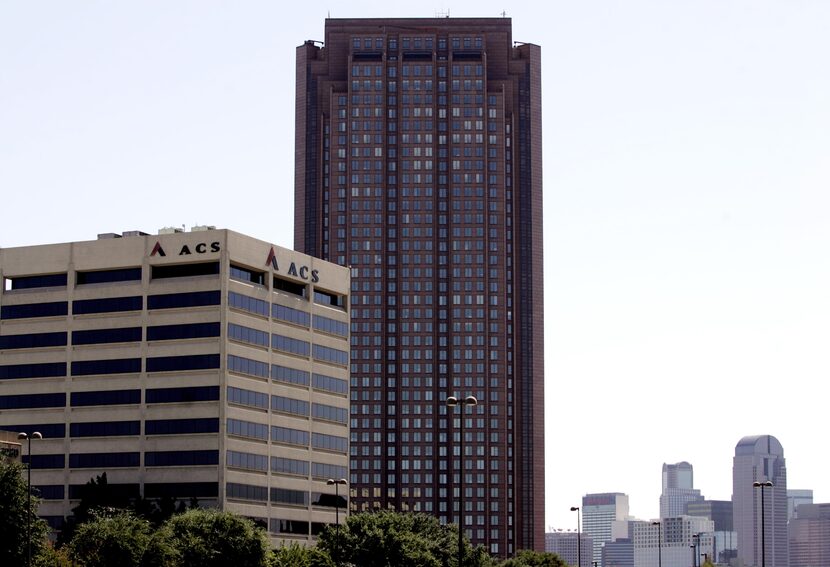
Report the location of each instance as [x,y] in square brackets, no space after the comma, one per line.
[686,196]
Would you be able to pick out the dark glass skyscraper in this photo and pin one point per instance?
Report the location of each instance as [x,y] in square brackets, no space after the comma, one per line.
[419,166]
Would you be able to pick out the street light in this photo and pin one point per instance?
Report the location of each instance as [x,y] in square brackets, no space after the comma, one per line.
[336,484]
[761,485]
[659,543]
[694,546]
[578,537]
[452,401]
[23,436]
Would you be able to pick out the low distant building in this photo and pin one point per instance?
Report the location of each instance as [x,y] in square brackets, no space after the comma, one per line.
[618,553]
[795,498]
[10,447]
[672,542]
[809,533]
[565,545]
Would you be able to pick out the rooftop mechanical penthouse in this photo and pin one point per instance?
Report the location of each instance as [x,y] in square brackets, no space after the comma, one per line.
[201,365]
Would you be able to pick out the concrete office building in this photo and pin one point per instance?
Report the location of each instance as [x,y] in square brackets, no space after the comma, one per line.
[202,364]
[419,166]
[809,533]
[574,548]
[678,489]
[600,513]
[760,459]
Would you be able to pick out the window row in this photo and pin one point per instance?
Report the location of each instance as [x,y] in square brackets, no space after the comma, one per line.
[111,397]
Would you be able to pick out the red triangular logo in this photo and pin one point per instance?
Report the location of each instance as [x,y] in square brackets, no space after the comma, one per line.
[272,259]
[157,249]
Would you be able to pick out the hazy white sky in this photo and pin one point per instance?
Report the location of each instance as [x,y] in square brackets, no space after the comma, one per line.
[687,196]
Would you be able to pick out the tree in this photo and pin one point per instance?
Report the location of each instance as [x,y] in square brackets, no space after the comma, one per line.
[111,539]
[96,495]
[528,558]
[14,512]
[296,555]
[209,538]
[390,539]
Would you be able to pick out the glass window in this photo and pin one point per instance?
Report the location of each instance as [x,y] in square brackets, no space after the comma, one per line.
[247,429]
[249,304]
[32,340]
[32,282]
[247,335]
[31,310]
[181,490]
[181,426]
[179,300]
[109,305]
[105,429]
[186,331]
[23,401]
[289,345]
[247,398]
[180,458]
[191,362]
[105,398]
[113,366]
[104,460]
[108,276]
[247,366]
[247,275]
[48,430]
[289,405]
[290,375]
[289,436]
[331,326]
[43,370]
[103,336]
[289,466]
[182,395]
[290,315]
[185,270]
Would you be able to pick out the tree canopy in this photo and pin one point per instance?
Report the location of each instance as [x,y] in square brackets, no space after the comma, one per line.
[14,511]
[390,539]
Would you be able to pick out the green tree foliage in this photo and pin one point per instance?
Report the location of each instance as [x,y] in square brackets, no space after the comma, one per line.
[111,539]
[391,539]
[527,558]
[209,538]
[296,555]
[13,515]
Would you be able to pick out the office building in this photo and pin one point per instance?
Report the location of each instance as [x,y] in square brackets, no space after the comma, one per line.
[809,533]
[600,512]
[720,512]
[672,542]
[418,165]
[795,498]
[678,489]
[760,459]
[573,548]
[199,365]
[617,553]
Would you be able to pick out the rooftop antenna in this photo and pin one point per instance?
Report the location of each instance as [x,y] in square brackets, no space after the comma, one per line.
[442,14]
[503,14]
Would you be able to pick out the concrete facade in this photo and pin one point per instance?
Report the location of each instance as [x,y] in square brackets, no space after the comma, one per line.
[201,365]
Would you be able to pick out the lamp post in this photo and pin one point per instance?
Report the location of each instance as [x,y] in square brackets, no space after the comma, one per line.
[22,436]
[694,546]
[659,543]
[336,484]
[452,401]
[578,537]
[762,485]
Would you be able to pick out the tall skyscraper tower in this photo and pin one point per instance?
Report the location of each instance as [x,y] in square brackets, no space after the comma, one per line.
[760,459]
[599,513]
[678,489]
[419,166]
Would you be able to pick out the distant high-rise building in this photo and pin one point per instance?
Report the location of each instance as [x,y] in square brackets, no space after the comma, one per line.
[719,511]
[419,166]
[678,489]
[599,512]
[760,459]
[795,498]
[809,534]
[565,545]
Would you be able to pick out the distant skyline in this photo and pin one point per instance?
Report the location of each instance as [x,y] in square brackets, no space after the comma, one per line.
[687,196]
